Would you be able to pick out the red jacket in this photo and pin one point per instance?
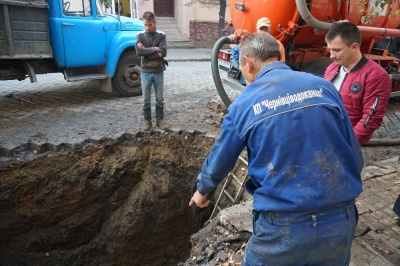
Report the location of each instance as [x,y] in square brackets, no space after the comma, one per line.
[367,83]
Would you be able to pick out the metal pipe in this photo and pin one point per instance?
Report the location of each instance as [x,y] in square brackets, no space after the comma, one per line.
[384,32]
[382,142]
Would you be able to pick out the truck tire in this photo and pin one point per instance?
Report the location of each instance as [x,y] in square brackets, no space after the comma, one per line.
[126,80]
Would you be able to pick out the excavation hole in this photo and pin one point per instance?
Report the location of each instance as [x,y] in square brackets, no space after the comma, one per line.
[107,202]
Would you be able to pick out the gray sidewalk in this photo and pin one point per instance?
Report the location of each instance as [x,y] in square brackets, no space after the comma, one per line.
[197,54]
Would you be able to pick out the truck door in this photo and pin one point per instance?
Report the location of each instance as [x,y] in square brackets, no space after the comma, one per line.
[83,32]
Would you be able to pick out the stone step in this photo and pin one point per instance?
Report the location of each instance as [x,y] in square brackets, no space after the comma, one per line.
[165,19]
[172,33]
[186,45]
[175,38]
[169,31]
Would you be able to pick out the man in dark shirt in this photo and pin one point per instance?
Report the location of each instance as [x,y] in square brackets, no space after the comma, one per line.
[151,46]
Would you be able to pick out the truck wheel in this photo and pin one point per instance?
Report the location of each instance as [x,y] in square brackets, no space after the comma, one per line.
[126,80]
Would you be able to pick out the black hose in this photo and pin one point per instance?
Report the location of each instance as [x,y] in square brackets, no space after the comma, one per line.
[215,70]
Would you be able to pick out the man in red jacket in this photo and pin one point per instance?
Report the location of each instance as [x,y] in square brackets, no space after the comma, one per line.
[364,85]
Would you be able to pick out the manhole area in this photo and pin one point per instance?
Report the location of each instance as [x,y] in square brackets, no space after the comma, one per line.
[110,202]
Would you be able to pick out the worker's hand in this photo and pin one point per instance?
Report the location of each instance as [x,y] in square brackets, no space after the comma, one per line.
[157,48]
[200,200]
[140,45]
[239,35]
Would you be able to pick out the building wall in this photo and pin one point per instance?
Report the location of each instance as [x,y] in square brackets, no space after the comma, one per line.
[198,21]
[197,12]
[145,5]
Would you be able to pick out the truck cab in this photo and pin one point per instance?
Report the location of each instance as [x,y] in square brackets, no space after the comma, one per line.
[75,37]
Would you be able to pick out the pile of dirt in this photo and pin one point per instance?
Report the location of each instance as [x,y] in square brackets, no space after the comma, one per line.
[223,239]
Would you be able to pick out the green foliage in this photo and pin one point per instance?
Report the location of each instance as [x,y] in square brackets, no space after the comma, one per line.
[369,13]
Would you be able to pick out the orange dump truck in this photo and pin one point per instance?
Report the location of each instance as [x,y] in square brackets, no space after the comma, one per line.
[301,25]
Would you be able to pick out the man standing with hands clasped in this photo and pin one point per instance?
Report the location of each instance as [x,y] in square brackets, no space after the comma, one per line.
[151,46]
[363,84]
[304,161]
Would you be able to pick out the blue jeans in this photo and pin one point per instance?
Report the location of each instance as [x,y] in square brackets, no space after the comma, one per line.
[320,238]
[148,79]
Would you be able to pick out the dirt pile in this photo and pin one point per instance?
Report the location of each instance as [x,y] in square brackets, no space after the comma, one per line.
[223,239]
[107,202]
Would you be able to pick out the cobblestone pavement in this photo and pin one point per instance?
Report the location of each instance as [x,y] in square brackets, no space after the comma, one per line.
[72,112]
[381,183]
[56,112]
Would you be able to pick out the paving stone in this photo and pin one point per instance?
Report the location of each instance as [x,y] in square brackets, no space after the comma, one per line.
[395,243]
[371,172]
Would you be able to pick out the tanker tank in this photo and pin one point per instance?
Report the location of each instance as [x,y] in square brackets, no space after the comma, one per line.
[288,26]
[301,26]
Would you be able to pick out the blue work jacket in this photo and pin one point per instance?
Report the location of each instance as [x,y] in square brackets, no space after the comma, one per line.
[303,153]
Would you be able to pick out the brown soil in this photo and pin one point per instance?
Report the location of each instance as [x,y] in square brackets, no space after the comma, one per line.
[111,202]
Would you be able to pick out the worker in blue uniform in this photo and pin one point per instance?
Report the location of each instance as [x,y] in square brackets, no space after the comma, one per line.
[304,161]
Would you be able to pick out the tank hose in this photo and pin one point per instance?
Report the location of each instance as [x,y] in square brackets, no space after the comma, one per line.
[382,142]
[215,70]
[309,19]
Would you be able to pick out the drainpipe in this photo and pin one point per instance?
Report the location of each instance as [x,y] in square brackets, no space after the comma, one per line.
[132,8]
[113,7]
[137,9]
[319,25]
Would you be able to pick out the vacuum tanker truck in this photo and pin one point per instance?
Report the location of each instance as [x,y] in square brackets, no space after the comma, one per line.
[301,26]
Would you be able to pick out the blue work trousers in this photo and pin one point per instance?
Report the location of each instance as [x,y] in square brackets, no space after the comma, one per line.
[149,79]
[314,239]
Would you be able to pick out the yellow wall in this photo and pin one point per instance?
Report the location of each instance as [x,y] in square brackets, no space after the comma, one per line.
[125,7]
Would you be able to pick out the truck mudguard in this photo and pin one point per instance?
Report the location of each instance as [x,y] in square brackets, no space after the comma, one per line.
[123,40]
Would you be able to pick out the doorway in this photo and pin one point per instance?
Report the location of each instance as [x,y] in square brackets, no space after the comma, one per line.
[164,8]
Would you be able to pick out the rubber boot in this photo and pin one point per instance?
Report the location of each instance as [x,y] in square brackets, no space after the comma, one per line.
[147,119]
[160,117]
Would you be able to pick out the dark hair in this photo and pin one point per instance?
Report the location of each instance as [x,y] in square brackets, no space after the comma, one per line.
[149,16]
[261,46]
[348,32]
